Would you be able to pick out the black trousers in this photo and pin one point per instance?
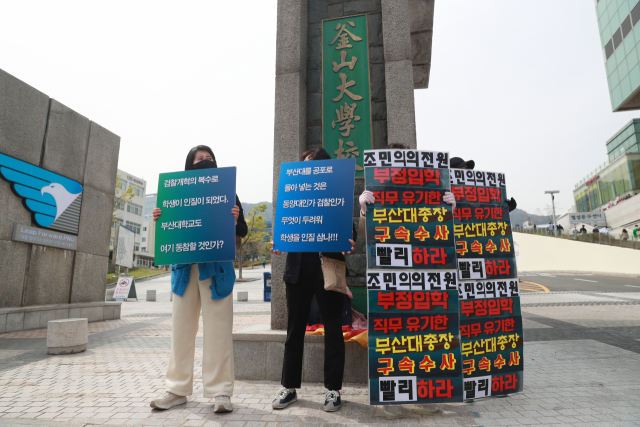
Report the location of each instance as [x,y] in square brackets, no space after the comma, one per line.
[299,296]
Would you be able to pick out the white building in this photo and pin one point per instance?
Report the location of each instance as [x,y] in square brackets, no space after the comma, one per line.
[148,233]
[130,214]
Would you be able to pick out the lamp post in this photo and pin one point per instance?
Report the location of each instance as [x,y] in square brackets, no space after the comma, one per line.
[553,207]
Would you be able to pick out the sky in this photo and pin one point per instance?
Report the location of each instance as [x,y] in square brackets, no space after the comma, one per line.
[517,86]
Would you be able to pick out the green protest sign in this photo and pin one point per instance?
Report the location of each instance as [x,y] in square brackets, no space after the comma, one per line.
[196,224]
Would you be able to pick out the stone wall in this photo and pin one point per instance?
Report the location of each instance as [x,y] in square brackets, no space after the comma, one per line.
[42,131]
[320,10]
[400,33]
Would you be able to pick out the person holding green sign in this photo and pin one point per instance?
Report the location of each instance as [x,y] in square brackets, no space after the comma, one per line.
[208,286]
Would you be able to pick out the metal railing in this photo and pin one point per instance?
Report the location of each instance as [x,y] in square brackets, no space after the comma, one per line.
[598,238]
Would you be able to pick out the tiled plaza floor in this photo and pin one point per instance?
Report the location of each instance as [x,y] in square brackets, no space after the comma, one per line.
[582,368]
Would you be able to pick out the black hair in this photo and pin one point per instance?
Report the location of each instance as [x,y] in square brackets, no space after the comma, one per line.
[321,154]
[188,165]
[316,154]
[398,145]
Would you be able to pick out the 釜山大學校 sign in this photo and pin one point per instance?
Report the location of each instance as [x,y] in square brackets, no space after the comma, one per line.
[196,224]
[346,97]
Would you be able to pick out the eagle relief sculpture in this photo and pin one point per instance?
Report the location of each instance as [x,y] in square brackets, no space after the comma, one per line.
[53,200]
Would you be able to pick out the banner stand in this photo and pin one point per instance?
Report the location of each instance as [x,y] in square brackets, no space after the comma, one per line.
[125,289]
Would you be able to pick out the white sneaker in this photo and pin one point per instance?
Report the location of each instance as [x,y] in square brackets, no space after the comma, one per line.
[168,400]
[223,404]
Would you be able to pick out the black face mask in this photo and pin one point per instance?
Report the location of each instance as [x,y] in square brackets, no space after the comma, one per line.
[205,164]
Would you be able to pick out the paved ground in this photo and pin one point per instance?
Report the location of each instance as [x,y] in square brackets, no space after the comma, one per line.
[582,353]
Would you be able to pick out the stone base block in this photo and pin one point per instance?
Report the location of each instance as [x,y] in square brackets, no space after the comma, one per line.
[37,316]
[258,355]
[243,296]
[151,295]
[67,350]
[67,336]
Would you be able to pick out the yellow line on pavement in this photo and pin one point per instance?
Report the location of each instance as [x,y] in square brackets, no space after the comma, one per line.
[536,287]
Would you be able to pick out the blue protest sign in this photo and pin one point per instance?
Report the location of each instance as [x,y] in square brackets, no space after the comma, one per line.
[314,212]
[196,224]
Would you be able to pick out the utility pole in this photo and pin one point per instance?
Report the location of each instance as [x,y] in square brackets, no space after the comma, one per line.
[553,207]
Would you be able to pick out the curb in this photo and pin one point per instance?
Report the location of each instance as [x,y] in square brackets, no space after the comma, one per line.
[596,273]
[144,278]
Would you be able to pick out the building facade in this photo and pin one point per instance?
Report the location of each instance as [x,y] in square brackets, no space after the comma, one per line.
[618,22]
[130,214]
[619,176]
[145,257]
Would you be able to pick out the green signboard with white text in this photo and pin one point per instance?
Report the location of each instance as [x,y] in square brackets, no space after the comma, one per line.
[196,224]
[346,97]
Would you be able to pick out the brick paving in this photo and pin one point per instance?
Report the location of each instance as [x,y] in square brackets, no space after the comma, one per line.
[581,369]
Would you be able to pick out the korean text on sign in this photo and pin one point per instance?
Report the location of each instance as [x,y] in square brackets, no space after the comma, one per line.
[314,211]
[196,224]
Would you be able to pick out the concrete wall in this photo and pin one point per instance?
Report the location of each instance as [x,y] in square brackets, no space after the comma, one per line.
[42,131]
[541,253]
[625,213]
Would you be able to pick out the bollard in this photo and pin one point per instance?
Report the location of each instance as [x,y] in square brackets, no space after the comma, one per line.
[243,296]
[151,295]
[67,336]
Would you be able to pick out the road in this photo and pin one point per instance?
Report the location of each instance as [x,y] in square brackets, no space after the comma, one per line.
[564,282]
[162,285]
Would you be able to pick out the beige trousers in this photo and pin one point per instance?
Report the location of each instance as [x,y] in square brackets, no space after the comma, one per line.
[217,357]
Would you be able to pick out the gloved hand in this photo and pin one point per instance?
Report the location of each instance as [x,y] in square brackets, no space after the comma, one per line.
[512,204]
[365,198]
[450,199]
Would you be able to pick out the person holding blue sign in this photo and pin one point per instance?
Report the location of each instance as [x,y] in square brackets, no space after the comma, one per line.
[303,277]
[208,286]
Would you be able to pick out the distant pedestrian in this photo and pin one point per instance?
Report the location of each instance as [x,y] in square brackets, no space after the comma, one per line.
[583,230]
[535,228]
[635,233]
[264,263]
[624,235]
[595,230]
[550,228]
[560,228]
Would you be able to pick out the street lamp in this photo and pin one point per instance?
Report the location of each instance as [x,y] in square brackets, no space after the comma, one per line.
[553,207]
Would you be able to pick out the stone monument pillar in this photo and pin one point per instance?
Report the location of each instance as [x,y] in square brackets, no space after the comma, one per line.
[398,36]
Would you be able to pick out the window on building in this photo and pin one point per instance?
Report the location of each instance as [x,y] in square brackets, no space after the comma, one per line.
[138,191]
[134,209]
[133,226]
[144,249]
[136,248]
[144,239]
[144,229]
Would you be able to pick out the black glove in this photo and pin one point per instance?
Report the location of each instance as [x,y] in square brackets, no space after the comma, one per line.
[512,204]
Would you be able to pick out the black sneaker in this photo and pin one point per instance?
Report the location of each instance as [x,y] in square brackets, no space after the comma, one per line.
[332,401]
[284,398]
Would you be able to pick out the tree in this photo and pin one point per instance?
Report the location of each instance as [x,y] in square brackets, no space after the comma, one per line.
[256,222]
[122,196]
